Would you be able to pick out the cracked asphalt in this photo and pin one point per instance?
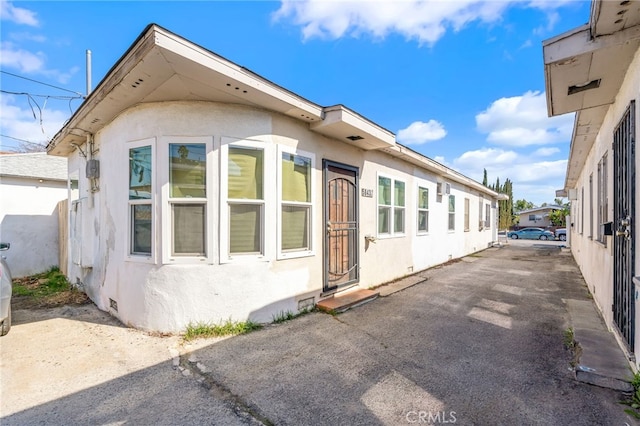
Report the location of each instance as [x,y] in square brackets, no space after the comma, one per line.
[478,341]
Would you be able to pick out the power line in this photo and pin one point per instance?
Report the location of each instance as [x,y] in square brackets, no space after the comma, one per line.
[22,140]
[59,98]
[40,82]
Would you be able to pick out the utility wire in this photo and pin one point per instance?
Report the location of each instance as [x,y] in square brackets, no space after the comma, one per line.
[40,82]
[59,98]
[22,140]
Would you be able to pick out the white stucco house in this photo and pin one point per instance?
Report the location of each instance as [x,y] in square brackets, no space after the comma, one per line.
[594,71]
[31,186]
[207,193]
[537,217]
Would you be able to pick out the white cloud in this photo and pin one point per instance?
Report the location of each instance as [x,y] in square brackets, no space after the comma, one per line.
[22,60]
[546,152]
[522,121]
[423,20]
[532,179]
[9,12]
[28,62]
[419,132]
[485,157]
[21,122]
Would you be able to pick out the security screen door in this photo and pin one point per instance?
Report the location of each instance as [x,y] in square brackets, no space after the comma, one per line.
[341,221]
[624,218]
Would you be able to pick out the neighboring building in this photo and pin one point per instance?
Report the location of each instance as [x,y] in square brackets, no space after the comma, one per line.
[208,193]
[31,186]
[537,217]
[594,70]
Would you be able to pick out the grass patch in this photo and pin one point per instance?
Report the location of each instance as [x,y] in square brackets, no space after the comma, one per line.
[282,316]
[569,341]
[227,328]
[633,401]
[46,289]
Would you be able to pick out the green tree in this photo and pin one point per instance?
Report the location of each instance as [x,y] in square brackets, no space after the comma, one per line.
[485,181]
[557,217]
[522,204]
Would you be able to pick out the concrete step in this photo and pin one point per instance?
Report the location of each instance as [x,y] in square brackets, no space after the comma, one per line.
[344,301]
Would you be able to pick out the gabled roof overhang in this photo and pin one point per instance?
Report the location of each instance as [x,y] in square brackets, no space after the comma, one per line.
[584,69]
[161,66]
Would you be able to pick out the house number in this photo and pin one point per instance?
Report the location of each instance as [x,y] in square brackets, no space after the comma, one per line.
[367,193]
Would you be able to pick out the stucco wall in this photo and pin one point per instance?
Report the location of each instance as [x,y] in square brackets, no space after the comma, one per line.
[594,258]
[29,221]
[165,294]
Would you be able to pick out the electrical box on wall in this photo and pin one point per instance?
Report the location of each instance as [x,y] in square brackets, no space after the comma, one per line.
[93,169]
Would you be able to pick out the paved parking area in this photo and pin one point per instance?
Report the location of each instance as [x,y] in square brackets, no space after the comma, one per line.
[479,342]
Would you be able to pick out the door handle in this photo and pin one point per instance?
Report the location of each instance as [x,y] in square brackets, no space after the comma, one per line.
[624,227]
[621,233]
[329,228]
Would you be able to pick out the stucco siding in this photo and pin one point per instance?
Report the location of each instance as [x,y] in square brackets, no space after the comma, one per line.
[165,293]
[594,258]
[29,222]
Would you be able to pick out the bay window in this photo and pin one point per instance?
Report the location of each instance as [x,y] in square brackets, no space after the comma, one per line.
[187,198]
[296,171]
[141,201]
[245,198]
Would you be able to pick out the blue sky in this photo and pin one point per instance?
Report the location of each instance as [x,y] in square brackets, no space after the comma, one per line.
[459,81]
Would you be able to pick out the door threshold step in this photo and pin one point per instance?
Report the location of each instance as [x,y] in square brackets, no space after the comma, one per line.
[343,302]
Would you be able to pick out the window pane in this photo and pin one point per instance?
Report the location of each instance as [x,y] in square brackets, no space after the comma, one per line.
[141,229]
[187,165]
[140,173]
[423,221]
[245,228]
[296,178]
[423,198]
[383,220]
[399,194]
[452,203]
[245,173]
[295,228]
[188,229]
[452,221]
[398,220]
[384,191]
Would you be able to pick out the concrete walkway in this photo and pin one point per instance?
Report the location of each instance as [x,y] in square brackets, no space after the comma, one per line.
[476,341]
[599,360]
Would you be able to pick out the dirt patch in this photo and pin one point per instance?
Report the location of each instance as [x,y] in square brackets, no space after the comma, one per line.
[69,297]
[42,295]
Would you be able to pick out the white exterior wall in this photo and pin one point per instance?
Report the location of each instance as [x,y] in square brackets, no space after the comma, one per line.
[594,258]
[29,221]
[166,295]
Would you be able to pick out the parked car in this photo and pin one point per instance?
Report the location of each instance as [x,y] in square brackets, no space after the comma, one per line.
[561,234]
[5,293]
[531,234]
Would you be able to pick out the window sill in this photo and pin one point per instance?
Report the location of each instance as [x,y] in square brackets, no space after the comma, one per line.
[140,259]
[390,236]
[187,260]
[295,255]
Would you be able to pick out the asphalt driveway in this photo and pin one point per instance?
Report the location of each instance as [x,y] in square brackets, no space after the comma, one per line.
[480,341]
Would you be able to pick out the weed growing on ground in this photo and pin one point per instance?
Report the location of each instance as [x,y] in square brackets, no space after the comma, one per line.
[633,401]
[46,289]
[227,328]
[569,341]
[288,316]
[283,316]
